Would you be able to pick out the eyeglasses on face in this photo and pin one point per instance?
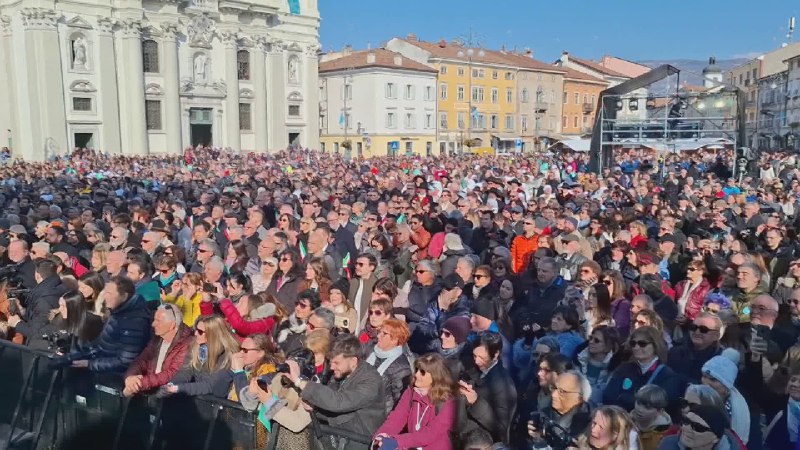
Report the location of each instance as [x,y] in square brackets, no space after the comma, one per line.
[701,328]
[375,312]
[479,276]
[420,271]
[420,371]
[641,344]
[697,427]
[302,304]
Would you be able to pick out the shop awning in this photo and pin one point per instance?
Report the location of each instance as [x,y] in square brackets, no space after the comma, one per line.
[578,145]
[506,136]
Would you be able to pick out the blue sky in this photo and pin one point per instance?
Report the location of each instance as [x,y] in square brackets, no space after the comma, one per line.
[635,30]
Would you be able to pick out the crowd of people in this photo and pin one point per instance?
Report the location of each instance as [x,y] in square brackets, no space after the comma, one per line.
[437,303]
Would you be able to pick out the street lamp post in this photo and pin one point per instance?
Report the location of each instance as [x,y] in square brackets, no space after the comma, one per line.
[469,54]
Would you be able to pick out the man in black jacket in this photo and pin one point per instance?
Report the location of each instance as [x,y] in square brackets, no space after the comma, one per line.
[687,359]
[42,299]
[124,336]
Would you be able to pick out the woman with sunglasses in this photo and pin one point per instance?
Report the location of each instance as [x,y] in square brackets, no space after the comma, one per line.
[647,366]
[425,414]
[257,356]
[290,333]
[166,272]
[704,427]
[263,279]
[389,358]
[208,370]
[594,360]
[286,284]
[380,309]
[453,339]
[691,292]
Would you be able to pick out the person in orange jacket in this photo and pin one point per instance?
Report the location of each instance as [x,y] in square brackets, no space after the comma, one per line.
[524,245]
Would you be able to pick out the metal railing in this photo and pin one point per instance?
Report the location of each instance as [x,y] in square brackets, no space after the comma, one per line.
[43,408]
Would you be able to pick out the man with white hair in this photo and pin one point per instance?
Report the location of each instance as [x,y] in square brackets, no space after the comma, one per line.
[40,250]
[164,355]
[118,238]
[206,249]
[213,270]
[570,407]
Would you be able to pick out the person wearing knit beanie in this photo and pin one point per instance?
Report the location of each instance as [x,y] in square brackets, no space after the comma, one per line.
[720,373]
[703,427]
[342,286]
[459,327]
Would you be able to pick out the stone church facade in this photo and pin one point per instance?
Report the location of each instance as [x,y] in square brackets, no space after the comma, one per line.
[157,76]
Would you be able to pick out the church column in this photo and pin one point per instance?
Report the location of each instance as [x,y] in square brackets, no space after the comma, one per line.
[172,100]
[310,81]
[132,88]
[8,122]
[276,93]
[260,95]
[46,111]
[107,89]
[232,135]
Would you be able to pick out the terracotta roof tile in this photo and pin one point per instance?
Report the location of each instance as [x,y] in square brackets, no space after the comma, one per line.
[450,51]
[573,74]
[597,67]
[383,59]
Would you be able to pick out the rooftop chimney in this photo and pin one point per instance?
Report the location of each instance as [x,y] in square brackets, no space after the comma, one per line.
[348,49]
[442,43]
[371,58]
[529,52]
[411,37]
[398,60]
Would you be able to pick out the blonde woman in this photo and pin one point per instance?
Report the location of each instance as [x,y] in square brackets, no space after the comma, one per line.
[208,371]
[187,293]
[612,429]
[99,256]
[638,232]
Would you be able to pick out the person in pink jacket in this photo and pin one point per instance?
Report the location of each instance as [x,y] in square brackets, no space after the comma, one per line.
[426,412]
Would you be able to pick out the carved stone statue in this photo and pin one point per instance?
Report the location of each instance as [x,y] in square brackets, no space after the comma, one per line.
[200,67]
[294,77]
[79,53]
[201,31]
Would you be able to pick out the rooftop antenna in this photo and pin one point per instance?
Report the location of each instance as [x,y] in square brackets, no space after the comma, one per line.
[789,33]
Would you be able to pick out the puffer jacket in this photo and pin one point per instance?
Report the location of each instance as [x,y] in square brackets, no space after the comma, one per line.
[434,428]
[396,379]
[521,249]
[124,336]
[694,304]
[419,297]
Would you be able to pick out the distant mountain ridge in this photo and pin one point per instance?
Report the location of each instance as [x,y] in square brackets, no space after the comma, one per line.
[691,69]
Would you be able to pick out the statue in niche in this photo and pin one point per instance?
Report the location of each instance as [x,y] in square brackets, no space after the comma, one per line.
[79,53]
[200,67]
[293,71]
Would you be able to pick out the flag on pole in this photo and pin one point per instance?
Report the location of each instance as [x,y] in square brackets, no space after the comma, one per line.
[346,265]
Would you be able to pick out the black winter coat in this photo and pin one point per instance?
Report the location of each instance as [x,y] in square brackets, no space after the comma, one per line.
[124,336]
[419,297]
[41,300]
[396,380]
[628,378]
[496,404]
[688,362]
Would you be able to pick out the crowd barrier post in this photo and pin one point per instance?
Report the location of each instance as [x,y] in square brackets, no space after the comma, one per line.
[15,435]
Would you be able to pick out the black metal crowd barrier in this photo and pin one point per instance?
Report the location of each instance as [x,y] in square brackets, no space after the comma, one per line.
[68,408]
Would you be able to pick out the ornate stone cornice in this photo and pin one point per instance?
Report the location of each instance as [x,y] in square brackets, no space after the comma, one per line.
[277,46]
[39,18]
[105,25]
[261,43]
[130,28]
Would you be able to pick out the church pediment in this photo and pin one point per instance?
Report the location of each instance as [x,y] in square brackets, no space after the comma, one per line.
[79,22]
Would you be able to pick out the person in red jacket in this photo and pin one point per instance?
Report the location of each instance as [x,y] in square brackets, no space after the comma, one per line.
[252,314]
[524,245]
[148,371]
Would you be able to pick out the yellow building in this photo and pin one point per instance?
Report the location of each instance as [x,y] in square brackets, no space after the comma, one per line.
[476,96]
